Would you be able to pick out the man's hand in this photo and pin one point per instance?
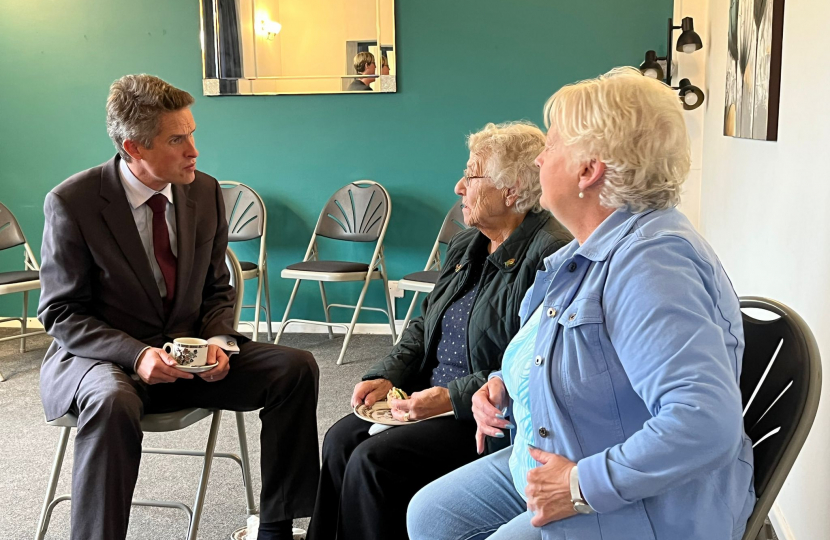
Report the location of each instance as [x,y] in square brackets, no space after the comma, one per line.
[548,488]
[420,405]
[216,354]
[488,403]
[370,392]
[156,366]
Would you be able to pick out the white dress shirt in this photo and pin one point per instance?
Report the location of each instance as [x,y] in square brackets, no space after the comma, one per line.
[138,194]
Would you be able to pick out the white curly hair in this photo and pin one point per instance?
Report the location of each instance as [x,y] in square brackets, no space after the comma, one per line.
[634,125]
[507,152]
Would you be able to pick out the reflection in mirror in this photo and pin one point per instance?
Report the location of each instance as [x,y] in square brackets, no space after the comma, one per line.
[298,46]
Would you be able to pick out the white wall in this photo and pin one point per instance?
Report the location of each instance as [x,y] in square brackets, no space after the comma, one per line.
[764,207]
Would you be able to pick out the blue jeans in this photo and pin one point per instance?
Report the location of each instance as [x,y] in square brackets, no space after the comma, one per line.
[474,502]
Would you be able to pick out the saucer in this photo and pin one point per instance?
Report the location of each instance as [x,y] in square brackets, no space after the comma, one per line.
[381,413]
[197,369]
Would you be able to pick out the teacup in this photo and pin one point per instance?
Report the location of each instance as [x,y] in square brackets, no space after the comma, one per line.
[190,352]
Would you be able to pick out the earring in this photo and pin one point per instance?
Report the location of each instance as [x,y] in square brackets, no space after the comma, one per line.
[581,195]
[507,203]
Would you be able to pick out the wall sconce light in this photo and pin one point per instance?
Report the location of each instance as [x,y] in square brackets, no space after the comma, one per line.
[690,95]
[651,67]
[688,42]
[269,29]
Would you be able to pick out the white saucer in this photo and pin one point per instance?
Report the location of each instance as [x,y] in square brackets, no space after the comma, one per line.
[197,369]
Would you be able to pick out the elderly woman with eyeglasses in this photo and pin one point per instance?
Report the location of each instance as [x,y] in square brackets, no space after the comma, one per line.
[445,355]
[623,381]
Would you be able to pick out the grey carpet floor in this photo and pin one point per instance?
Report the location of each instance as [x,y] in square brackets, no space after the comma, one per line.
[27,447]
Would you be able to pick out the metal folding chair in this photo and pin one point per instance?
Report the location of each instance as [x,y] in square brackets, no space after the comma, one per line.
[11,235]
[780,388]
[424,281]
[358,212]
[248,219]
[172,421]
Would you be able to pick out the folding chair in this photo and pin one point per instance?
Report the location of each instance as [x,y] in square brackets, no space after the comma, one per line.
[172,421]
[11,235]
[780,388]
[424,282]
[248,219]
[357,212]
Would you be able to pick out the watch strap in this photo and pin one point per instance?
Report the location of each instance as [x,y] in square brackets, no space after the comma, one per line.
[581,506]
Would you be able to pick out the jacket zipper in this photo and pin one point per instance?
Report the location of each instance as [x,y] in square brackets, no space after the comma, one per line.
[472,307]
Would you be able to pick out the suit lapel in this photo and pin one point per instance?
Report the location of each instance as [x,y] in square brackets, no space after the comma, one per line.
[185,241]
[119,218]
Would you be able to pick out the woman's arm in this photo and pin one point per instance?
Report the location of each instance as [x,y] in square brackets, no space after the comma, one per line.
[663,301]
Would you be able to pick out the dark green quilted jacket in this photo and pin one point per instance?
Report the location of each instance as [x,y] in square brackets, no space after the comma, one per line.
[494,318]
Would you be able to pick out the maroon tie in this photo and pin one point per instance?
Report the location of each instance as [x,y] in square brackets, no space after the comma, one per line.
[161,245]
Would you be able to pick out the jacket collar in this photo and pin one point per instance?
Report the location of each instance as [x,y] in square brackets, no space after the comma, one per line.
[508,255]
[609,233]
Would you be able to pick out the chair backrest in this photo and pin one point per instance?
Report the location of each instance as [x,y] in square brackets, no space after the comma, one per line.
[244,211]
[453,224]
[11,234]
[780,387]
[237,283]
[357,212]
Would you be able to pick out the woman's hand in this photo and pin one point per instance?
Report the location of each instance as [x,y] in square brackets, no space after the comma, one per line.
[420,405]
[549,488]
[488,403]
[369,392]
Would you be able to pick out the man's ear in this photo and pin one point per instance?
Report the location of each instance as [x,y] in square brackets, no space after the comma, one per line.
[133,149]
[591,173]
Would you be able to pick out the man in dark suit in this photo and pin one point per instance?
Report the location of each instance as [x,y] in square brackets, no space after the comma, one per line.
[134,256]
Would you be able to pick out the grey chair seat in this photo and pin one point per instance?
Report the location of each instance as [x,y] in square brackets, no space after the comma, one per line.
[247,266]
[7,278]
[428,276]
[151,423]
[329,266]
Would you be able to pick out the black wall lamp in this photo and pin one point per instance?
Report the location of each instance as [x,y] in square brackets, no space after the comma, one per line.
[690,95]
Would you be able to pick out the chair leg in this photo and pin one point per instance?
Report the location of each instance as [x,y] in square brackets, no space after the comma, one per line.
[257,303]
[325,307]
[23,321]
[203,480]
[246,464]
[389,306]
[409,313]
[57,463]
[287,311]
[354,318]
[267,300]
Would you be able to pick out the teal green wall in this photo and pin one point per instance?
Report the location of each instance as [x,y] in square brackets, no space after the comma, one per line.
[462,63]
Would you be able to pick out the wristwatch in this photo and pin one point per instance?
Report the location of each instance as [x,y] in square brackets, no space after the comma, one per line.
[581,506]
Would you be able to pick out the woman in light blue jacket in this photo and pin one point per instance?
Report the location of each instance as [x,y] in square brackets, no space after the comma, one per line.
[622,385]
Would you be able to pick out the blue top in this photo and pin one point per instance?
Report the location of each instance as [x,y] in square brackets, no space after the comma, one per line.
[452,348]
[516,365]
[639,353]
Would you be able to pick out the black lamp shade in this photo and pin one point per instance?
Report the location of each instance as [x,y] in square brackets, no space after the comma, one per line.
[650,67]
[690,95]
[689,41]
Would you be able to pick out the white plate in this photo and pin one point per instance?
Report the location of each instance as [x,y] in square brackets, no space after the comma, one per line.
[197,369]
[381,413]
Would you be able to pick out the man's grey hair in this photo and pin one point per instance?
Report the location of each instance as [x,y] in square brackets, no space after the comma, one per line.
[134,108]
[362,60]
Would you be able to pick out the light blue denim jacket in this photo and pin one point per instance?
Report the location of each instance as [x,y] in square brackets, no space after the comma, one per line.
[635,378]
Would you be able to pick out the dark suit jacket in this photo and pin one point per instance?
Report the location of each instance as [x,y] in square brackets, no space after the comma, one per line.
[99,299]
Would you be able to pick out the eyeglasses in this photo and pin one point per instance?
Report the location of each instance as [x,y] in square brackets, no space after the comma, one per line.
[470,177]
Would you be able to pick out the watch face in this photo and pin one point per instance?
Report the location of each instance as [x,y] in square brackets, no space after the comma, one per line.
[582,508]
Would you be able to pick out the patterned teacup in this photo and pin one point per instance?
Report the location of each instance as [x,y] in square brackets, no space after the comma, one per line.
[188,351]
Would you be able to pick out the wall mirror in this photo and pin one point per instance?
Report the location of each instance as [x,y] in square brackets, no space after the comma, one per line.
[256,47]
